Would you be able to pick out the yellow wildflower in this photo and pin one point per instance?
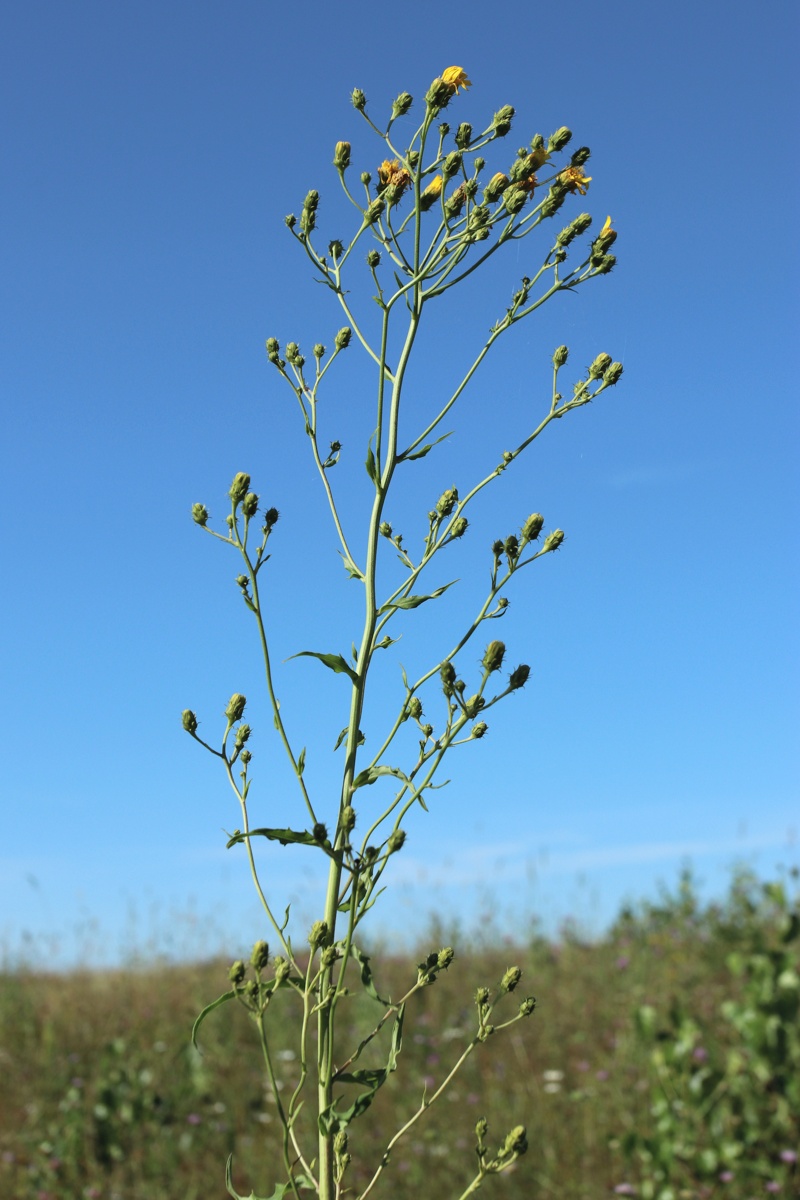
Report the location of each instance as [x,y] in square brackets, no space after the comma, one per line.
[606,230]
[538,157]
[456,77]
[575,180]
[434,188]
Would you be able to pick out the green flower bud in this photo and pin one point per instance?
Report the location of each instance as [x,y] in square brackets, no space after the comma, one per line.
[293,352]
[447,674]
[414,707]
[511,979]
[439,95]
[281,968]
[532,527]
[199,514]
[273,349]
[497,548]
[308,217]
[481,1129]
[319,350]
[335,249]
[318,934]
[342,339]
[374,211]
[340,1143]
[341,156]
[401,105]
[560,356]
[515,1143]
[554,199]
[373,258]
[427,730]
[235,710]
[251,990]
[574,229]
[365,178]
[245,757]
[445,957]
[511,547]
[250,505]
[237,971]
[290,220]
[519,677]
[553,540]
[320,832]
[455,202]
[559,139]
[348,820]
[581,155]
[527,1006]
[599,367]
[473,706]
[189,721]
[447,502]
[613,373]
[329,956]
[495,187]
[358,99]
[482,996]
[479,730]
[459,527]
[493,658]
[260,956]
[608,263]
[242,735]
[514,198]
[385,529]
[271,517]
[501,121]
[396,841]
[463,135]
[239,488]
[502,602]
[452,164]
[243,582]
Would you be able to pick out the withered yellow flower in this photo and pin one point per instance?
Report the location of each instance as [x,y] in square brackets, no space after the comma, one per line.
[456,77]
[575,179]
[390,171]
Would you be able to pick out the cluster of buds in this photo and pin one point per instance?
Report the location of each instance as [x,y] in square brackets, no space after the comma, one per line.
[308,217]
[435,962]
[447,502]
[575,228]
[341,1155]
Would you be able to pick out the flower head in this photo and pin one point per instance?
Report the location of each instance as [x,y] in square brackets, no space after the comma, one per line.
[392,175]
[456,77]
[574,180]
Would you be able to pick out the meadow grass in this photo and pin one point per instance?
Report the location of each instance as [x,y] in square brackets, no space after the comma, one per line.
[105,1097]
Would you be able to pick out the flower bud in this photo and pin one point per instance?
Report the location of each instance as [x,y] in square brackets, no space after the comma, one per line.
[501,121]
[459,527]
[335,249]
[447,502]
[396,841]
[495,187]
[242,735]
[527,1007]
[290,220]
[414,706]
[341,156]
[358,99]
[511,547]
[245,757]
[308,217]
[239,488]
[612,374]
[235,710]
[599,367]
[497,548]
[574,229]
[560,356]
[281,968]
[515,1143]
[373,258]
[481,1129]
[319,350]
[385,529]
[250,505]
[519,677]
[447,674]
[348,819]
[452,164]
[260,956]
[427,730]
[511,979]
[553,540]
[479,729]
[374,210]
[318,934]
[401,105]
[532,527]
[554,199]
[439,95]
[273,349]
[473,706]
[189,721]
[514,198]
[199,514]
[271,517]
[559,139]
[455,202]
[432,193]
[482,996]
[236,971]
[445,957]
[493,658]
[342,339]
[607,265]
[463,135]
[320,832]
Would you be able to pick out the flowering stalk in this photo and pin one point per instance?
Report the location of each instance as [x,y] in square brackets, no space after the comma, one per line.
[430,222]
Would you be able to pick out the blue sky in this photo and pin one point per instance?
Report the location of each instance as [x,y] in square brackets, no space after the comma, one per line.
[150,153]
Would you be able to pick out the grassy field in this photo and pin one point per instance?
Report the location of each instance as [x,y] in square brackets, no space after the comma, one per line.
[105,1098]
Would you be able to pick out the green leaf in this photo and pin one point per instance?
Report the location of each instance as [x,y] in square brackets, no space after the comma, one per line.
[280,1190]
[334,661]
[415,601]
[372,469]
[209,1008]
[363,961]
[423,450]
[284,836]
[301,762]
[397,1039]
[368,776]
[360,739]
[373,1077]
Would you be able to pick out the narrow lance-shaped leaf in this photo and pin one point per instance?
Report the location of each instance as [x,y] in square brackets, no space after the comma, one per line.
[406,602]
[280,1190]
[334,661]
[209,1008]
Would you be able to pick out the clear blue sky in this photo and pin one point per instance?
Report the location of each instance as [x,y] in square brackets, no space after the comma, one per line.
[150,152]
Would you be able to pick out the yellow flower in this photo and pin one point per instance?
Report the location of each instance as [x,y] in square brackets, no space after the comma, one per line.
[434,188]
[607,228]
[456,77]
[575,180]
[538,157]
